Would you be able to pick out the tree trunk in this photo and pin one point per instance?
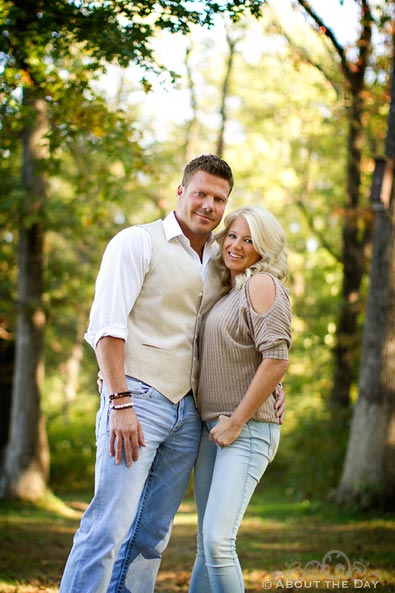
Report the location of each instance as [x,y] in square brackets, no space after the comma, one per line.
[346,351]
[7,354]
[369,470]
[224,94]
[26,461]
[192,127]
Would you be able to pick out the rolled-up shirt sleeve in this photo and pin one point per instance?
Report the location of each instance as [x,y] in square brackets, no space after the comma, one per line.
[125,262]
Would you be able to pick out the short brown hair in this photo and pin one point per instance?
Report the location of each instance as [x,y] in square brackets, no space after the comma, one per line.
[209,163]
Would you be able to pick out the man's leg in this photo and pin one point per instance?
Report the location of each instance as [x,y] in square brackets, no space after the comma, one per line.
[138,562]
[108,518]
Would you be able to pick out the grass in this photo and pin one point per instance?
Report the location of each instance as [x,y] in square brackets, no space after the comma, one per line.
[292,537]
[282,544]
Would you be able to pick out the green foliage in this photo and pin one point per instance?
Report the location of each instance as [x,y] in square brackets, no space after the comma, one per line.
[71,436]
[110,31]
[313,445]
[286,141]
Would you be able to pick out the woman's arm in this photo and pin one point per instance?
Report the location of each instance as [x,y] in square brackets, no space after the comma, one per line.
[262,292]
[268,375]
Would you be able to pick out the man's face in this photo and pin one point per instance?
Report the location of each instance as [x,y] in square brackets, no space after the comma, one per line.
[201,204]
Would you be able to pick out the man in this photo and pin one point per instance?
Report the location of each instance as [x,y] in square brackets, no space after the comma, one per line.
[154,284]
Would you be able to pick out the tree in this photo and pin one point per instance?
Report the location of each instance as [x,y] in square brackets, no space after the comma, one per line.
[231,42]
[233,37]
[35,35]
[369,471]
[356,228]
[27,446]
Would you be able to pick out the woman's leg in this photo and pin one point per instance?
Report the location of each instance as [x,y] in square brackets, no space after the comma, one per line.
[204,466]
[238,469]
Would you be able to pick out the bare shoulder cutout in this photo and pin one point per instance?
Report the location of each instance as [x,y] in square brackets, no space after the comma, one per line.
[262,291]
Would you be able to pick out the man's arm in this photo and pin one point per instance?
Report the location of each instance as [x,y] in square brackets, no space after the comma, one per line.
[279,404]
[125,429]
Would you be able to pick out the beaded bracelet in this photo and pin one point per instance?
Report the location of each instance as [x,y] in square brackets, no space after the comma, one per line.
[119,394]
[122,406]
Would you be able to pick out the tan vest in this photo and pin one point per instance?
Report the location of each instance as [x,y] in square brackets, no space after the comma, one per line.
[161,348]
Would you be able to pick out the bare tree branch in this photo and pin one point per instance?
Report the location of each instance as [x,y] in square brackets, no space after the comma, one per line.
[352,71]
[305,55]
[308,215]
[328,32]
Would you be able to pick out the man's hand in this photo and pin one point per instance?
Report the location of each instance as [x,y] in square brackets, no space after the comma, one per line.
[279,404]
[125,433]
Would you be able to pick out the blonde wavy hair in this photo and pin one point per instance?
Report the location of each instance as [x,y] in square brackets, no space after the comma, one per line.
[268,239]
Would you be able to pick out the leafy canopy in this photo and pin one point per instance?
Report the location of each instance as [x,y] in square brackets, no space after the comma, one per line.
[108,30]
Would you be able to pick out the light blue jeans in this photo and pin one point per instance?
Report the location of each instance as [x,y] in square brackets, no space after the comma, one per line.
[225,479]
[127,525]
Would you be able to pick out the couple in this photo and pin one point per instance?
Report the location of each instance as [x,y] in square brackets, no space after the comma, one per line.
[156,285]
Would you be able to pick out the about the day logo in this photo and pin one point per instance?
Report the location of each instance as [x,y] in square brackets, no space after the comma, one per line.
[334,571]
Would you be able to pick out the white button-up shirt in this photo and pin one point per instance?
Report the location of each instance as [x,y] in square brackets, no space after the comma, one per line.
[125,262]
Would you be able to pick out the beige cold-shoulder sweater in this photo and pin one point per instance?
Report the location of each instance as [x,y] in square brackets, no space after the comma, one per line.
[233,341]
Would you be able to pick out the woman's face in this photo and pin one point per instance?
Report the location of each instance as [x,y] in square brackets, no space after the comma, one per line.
[238,251]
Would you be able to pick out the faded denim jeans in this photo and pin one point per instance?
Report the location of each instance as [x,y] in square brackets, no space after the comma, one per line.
[225,479]
[127,525]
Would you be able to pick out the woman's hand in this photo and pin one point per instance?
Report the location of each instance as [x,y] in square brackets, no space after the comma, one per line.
[225,432]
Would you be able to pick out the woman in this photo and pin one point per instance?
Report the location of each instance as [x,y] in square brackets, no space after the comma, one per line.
[243,355]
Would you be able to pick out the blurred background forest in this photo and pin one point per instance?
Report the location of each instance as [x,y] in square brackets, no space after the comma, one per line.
[102,104]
